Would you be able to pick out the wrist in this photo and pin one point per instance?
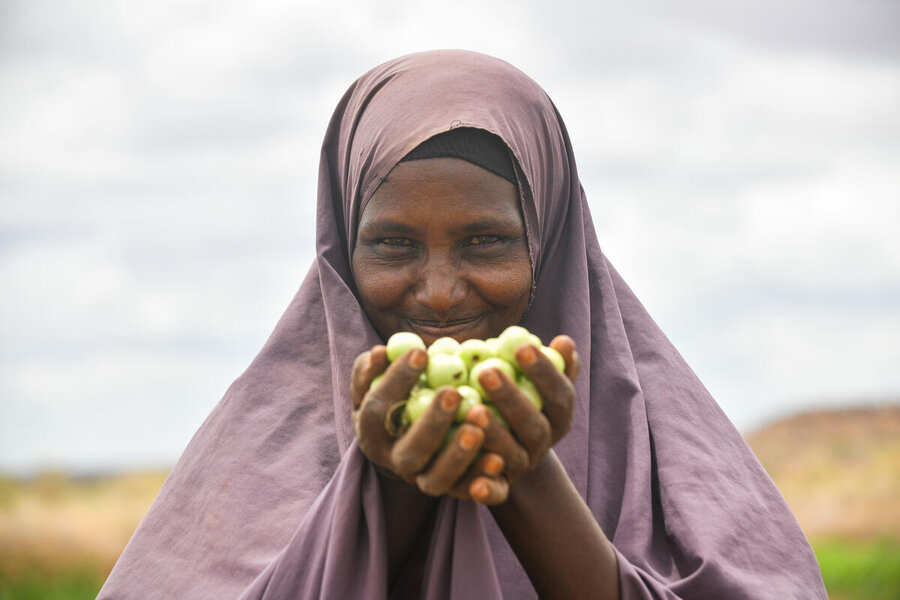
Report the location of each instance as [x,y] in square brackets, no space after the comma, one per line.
[537,483]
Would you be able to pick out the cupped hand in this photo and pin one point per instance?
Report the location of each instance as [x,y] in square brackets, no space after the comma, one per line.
[531,432]
[417,456]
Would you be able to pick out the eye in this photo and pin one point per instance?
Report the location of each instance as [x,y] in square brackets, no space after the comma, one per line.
[394,248]
[398,242]
[483,240]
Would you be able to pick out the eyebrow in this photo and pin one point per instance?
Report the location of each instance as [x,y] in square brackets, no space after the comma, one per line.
[388,224]
[489,223]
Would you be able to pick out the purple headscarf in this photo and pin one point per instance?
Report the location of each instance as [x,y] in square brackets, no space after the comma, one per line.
[273,498]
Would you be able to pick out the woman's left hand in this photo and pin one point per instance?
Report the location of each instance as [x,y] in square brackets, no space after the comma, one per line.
[417,456]
[531,432]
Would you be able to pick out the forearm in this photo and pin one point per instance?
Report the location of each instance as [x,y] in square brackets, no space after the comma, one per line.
[406,513]
[555,536]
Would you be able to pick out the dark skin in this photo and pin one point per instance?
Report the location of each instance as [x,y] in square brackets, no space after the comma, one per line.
[441,251]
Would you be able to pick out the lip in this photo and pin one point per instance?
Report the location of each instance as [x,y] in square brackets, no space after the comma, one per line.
[438,329]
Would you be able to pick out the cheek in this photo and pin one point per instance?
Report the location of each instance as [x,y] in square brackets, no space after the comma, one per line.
[380,288]
[507,287]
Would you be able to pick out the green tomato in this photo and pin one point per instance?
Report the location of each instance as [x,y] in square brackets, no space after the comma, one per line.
[474,351]
[555,357]
[495,414]
[417,403]
[444,345]
[451,433]
[495,363]
[402,342]
[510,340]
[375,381]
[445,369]
[530,391]
[470,397]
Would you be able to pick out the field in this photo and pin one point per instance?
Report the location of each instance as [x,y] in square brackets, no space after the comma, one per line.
[840,473]
[59,536]
[838,470]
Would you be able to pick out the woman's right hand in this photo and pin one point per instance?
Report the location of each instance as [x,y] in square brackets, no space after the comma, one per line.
[417,456]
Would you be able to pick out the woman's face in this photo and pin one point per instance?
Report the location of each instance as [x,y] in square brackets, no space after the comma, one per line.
[441,251]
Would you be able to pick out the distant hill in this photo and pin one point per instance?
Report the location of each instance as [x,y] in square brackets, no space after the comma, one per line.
[839,470]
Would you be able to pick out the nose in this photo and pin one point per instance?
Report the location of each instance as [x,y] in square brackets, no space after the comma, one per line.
[440,287]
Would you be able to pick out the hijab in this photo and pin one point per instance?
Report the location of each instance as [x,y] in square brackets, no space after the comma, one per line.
[273,498]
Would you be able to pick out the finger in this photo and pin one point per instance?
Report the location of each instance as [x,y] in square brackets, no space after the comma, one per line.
[412,452]
[489,491]
[380,360]
[374,439]
[499,441]
[453,462]
[366,367]
[528,424]
[369,418]
[566,346]
[358,384]
[400,376]
[487,465]
[557,391]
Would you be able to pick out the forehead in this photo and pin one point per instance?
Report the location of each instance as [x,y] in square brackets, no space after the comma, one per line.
[438,187]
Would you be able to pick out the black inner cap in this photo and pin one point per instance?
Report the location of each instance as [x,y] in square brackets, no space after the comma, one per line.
[477,146]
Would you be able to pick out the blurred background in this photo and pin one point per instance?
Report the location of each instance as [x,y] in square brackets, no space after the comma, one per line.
[158,166]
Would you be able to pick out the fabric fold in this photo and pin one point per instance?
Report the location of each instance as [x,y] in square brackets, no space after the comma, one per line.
[339,550]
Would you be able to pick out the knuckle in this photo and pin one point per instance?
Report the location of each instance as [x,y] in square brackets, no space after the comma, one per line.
[567,398]
[517,461]
[534,431]
[433,428]
[404,463]
[430,485]
[369,411]
[561,427]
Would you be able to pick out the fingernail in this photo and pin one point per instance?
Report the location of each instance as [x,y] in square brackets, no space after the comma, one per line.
[493,464]
[450,401]
[418,358]
[468,440]
[490,379]
[527,355]
[478,415]
[478,490]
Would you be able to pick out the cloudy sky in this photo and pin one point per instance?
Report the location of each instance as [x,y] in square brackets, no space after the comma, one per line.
[157,184]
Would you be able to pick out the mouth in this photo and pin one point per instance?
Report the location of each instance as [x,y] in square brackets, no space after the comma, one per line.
[438,329]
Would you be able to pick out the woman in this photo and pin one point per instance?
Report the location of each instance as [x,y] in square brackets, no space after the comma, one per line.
[289,489]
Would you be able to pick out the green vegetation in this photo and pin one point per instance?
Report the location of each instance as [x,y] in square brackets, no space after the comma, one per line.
[71,583]
[860,570]
[60,536]
[853,570]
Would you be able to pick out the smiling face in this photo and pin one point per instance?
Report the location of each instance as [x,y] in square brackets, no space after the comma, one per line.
[441,251]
